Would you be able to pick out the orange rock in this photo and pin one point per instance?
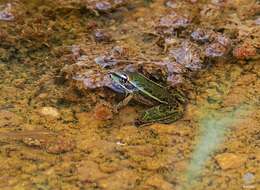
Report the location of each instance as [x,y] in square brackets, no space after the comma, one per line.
[124,179]
[89,171]
[102,112]
[244,51]
[158,182]
[141,150]
[230,160]
[9,119]
[49,112]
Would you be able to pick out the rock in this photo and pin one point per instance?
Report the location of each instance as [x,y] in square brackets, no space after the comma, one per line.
[174,21]
[102,36]
[230,160]
[215,50]
[6,14]
[123,180]
[103,112]
[97,147]
[103,6]
[50,142]
[141,150]
[60,145]
[158,182]
[49,112]
[9,119]
[249,180]
[88,171]
[110,167]
[154,164]
[106,61]
[246,79]
[245,51]
[171,129]
[127,115]
[188,55]
[202,35]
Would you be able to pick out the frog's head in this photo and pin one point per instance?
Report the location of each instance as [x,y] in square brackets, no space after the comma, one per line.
[118,77]
[121,81]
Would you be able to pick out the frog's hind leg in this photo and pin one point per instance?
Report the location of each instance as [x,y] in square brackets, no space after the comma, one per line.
[159,114]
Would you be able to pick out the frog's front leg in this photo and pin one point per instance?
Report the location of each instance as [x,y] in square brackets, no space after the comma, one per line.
[124,102]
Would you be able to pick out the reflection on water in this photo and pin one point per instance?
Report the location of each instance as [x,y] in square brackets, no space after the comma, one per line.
[214,127]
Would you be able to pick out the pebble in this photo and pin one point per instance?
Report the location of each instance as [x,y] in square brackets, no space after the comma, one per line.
[50,111]
[158,182]
[102,36]
[6,14]
[248,178]
[9,119]
[124,179]
[103,112]
[230,160]
[189,55]
[103,6]
[141,150]
[60,145]
[215,50]
[244,51]
[89,171]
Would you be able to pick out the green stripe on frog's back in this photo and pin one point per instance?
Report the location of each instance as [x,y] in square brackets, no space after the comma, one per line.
[149,87]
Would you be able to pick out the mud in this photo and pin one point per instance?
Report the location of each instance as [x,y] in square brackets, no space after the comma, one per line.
[57,133]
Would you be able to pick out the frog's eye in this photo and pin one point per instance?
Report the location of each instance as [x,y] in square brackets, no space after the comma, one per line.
[123,79]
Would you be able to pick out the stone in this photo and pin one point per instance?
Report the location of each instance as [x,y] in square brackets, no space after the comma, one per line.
[9,119]
[103,112]
[60,145]
[49,112]
[88,171]
[141,150]
[171,129]
[158,182]
[230,160]
[123,180]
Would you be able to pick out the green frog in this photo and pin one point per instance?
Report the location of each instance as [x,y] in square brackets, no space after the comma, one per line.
[166,107]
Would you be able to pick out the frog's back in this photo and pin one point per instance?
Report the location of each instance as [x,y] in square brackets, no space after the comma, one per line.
[149,88]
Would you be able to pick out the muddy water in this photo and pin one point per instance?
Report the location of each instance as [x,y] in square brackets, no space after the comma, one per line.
[55,136]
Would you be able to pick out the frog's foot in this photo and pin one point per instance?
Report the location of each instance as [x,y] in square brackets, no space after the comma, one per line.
[123,103]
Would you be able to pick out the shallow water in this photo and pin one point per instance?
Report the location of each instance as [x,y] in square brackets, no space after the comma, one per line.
[75,145]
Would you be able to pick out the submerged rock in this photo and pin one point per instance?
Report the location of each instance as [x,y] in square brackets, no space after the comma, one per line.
[103,112]
[230,160]
[189,55]
[157,181]
[6,14]
[9,119]
[102,36]
[202,35]
[104,6]
[49,112]
[215,50]
[173,21]
[123,179]
[88,171]
[169,24]
[106,61]
[244,51]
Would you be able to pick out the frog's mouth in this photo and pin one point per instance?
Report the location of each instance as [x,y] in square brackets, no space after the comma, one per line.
[116,82]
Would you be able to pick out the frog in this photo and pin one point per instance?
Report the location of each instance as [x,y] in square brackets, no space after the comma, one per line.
[165,106]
